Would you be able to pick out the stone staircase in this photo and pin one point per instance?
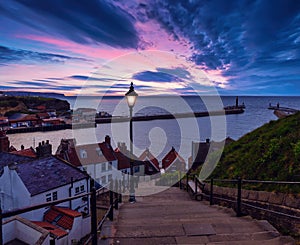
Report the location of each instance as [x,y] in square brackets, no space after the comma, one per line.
[171,217]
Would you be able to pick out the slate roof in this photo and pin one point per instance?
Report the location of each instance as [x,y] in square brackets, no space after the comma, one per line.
[6,158]
[44,174]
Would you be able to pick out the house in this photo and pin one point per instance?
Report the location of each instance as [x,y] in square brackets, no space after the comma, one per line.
[173,162]
[124,157]
[17,230]
[151,163]
[28,180]
[52,121]
[85,114]
[4,123]
[38,181]
[98,159]
[200,151]
[24,120]
[64,224]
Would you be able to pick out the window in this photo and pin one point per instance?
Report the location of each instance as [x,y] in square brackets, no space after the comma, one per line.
[48,197]
[99,152]
[109,167]
[83,153]
[51,196]
[76,190]
[82,188]
[54,196]
[109,178]
[103,167]
[136,169]
[103,180]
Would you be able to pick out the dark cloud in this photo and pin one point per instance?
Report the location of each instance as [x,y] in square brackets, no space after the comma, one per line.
[235,36]
[148,76]
[84,22]
[91,78]
[19,55]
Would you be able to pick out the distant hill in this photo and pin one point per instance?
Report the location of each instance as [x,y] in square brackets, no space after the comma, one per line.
[24,93]
[27,104]
[271,152]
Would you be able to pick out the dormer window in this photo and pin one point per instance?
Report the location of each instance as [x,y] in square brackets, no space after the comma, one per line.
[83,153]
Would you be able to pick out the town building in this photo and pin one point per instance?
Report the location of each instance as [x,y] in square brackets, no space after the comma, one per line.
[98,159]
[200,151]
[173,162]
[28,179]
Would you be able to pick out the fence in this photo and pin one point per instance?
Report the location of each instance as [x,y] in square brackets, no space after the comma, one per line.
[114,199]
[278,214]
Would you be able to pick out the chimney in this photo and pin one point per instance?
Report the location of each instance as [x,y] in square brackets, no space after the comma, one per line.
[107,139]
[44,149]
[4,142]
[22,147]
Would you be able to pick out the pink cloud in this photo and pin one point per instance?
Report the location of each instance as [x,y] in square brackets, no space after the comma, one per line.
[99,52]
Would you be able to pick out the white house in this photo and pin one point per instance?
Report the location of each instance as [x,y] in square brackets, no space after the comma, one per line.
[98,160]
[27,181]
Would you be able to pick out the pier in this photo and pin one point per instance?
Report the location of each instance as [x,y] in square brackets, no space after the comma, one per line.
[116,119]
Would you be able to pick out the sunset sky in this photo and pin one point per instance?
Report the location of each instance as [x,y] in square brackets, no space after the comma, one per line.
[239,47]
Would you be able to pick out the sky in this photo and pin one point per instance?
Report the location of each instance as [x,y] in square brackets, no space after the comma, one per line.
[97,47]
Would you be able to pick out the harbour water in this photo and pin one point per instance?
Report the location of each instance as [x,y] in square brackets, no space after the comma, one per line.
[161,135]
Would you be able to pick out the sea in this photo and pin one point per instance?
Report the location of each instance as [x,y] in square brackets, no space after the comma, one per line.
[159,136]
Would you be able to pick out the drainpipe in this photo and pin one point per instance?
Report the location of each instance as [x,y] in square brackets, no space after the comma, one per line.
[70,193]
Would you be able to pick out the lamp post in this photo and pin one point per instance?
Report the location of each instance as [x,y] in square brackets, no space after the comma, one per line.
[131,97]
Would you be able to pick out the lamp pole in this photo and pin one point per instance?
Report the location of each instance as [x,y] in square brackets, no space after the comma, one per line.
[131,97]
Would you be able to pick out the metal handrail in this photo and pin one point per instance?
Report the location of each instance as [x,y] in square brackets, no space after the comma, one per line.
[239,202]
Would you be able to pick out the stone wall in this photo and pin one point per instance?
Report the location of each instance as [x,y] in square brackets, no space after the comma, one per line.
[276,202]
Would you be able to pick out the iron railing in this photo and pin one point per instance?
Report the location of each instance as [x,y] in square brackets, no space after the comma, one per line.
[114,199]
[239,203]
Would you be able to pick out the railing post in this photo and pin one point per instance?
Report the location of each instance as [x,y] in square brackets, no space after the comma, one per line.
[180,186]
[94,216]
[211,191]
[239,197]
[195,179]
[120,191]
[1,232]
[116,195]
[187,182]
[111,205]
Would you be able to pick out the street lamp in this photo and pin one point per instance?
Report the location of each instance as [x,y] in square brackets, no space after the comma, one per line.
[131,97]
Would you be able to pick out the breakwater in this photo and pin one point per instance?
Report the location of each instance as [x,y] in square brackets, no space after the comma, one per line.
[170,116]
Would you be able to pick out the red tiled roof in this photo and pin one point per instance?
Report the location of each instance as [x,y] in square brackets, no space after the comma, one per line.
[169,159]
[123,161]
[56,231]
[147,156]
[123,158]
[73,153]
[67,211]
[62,217]
[29,152]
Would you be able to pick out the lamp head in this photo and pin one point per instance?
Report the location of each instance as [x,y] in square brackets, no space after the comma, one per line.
[131,96]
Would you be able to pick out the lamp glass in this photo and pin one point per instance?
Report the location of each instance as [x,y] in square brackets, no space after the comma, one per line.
[131,100]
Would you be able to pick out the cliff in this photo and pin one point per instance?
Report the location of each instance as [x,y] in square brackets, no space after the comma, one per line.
[271,152]
[25,104]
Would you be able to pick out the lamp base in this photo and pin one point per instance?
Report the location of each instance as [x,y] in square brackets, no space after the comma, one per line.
[132,199]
